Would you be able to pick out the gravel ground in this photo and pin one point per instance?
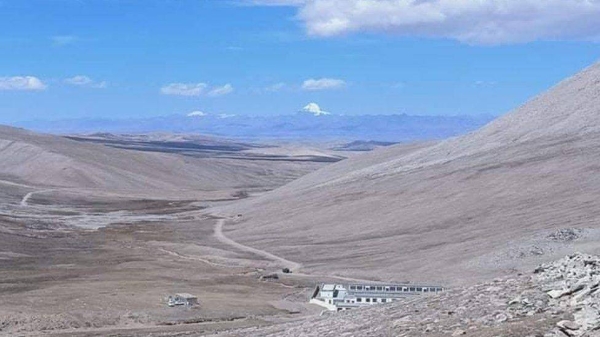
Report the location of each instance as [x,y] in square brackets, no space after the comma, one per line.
[556,300]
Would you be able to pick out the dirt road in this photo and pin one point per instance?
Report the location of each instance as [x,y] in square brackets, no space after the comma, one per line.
[292,266]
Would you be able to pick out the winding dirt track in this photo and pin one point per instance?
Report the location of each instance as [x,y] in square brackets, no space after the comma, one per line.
[291,265]
[24,201]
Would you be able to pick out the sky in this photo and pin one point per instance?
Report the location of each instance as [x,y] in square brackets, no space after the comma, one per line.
[71,59]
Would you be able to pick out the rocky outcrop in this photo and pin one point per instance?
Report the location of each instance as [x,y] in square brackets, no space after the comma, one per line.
[573,285]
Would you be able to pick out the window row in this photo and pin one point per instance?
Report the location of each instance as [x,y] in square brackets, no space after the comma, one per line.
[373,300]
[391,288]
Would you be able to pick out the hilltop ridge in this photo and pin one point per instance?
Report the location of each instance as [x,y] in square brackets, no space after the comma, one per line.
[55,161]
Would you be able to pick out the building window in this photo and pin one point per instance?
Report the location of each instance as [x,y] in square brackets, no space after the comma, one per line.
[352,287]
[419,289]
[379,288]
[368,300]
[359,300]
[359,287]
[412,289]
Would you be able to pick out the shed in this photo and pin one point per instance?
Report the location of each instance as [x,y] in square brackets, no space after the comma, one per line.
[183,299]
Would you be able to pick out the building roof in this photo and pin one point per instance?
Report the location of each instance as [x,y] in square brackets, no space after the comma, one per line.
[186,296]
[331,286]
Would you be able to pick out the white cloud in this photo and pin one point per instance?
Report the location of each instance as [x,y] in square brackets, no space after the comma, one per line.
[63,40]
[323,84]
[469,21]
[315,109]
[223,116]
[220,91]
[196,113]
[23,83]
[184,89]
[275,87]
[195,89]
[84,81]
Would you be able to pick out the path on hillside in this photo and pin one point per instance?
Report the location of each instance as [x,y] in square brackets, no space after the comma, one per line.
[292,266]
[6,182]
[25,200]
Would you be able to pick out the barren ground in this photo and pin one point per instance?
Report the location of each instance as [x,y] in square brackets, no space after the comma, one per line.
[61,279]
[87,259]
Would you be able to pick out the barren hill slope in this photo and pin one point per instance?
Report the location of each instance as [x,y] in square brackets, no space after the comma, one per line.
[458,211]
[46,160]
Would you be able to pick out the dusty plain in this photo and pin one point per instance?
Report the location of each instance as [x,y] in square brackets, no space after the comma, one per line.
[83,258]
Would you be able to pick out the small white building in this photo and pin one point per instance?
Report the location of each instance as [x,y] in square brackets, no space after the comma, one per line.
[182,299]
[337,297]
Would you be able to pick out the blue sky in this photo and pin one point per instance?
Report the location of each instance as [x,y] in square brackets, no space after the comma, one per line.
[131,58]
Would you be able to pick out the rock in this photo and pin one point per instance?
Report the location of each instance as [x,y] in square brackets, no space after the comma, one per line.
[458,332]
[536,251]
[567,234]
[569,328]
[569,325]
[515,301]
[500,318]
[557,293]
[269,277]
[572,284]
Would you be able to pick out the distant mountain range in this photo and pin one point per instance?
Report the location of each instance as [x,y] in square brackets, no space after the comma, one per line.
[388,128]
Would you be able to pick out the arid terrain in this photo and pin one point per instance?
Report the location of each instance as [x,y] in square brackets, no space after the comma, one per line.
[94,238]
[96,231]
[557,299]
[456,212]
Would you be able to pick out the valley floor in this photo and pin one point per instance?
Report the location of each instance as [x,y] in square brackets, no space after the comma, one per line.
[88,264]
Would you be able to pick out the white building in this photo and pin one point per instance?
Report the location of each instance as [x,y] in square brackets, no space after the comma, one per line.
[337,297]
[182,299]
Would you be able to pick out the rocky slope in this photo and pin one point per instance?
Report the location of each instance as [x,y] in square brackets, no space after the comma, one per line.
[455,212]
